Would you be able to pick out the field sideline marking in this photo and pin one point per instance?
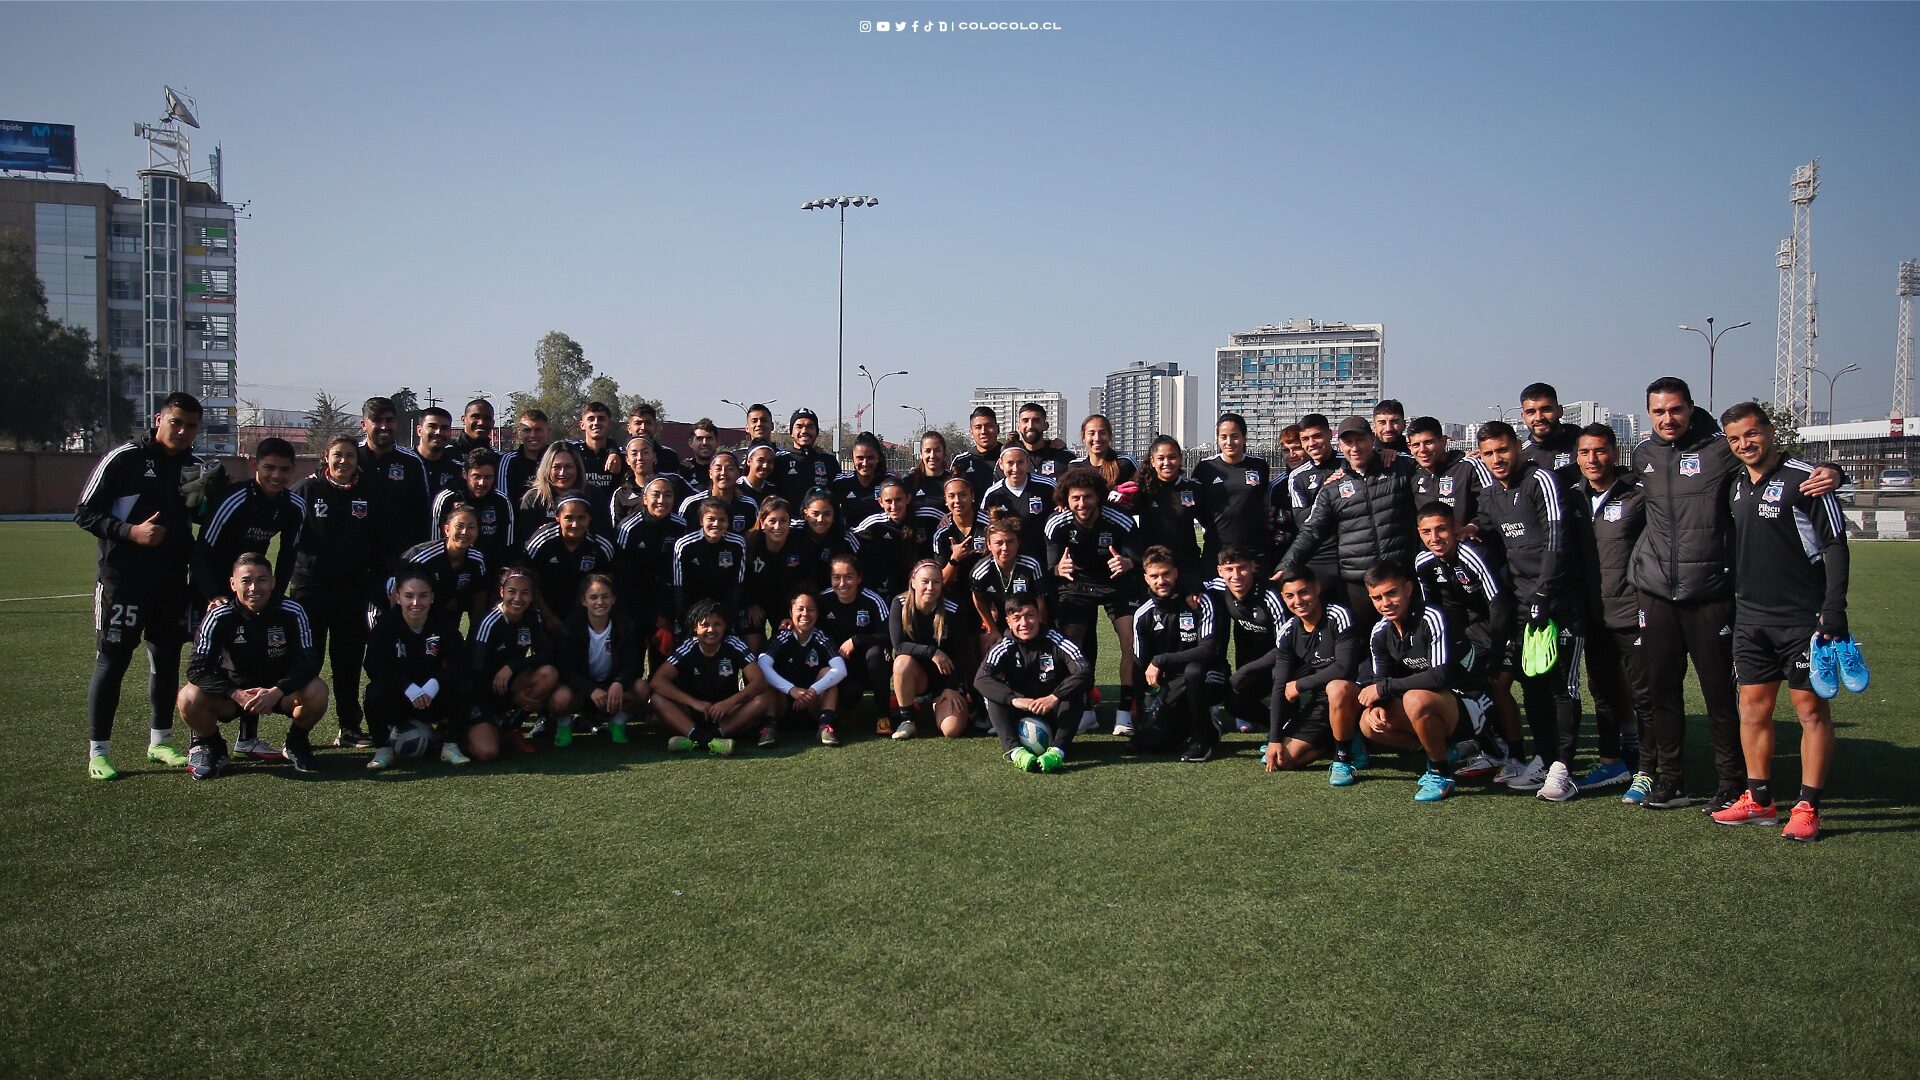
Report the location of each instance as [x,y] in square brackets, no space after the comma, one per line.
[62,596]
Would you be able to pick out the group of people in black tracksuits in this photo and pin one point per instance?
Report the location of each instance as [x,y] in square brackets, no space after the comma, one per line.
[1379,588]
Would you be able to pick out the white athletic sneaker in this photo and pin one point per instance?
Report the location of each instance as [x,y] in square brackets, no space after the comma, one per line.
[1559,786]
[381,758]
[1523,777]
[451,754]
[1123,724]
[903,730]
[1089,722]
[1475,766]
[257,749]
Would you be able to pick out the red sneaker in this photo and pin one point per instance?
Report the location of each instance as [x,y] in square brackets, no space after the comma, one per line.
[1745,811]
[519,742]
[1803,823]
[883,727]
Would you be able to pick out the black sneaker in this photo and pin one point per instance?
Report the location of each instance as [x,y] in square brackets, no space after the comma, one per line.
[1197,751]
[1666,796]
[299,753]
[203,761]
[352,738]
[1722,799]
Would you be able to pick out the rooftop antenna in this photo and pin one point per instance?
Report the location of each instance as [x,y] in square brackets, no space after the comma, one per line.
[169,149]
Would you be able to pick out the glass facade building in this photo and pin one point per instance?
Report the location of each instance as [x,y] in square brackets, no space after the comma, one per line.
[1274,375]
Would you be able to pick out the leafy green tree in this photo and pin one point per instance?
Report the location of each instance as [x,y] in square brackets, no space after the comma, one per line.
[561,375]
[628,403]
[324,421]
[54,379]
[406,406]
[1786,431]
[603,389]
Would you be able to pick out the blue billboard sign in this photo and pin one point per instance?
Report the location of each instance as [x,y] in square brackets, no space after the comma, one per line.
[33,147]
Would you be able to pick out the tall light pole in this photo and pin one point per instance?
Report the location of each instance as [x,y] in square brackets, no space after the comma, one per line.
[1499,411]
[923,417]
[873,386]
[745,408]
[1831,379]
[1713,338]
[841,202]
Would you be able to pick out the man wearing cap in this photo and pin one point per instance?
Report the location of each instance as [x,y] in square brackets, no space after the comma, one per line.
[1368,508]
[801,468]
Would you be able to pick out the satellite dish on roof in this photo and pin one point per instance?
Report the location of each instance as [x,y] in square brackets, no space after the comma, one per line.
[179,107]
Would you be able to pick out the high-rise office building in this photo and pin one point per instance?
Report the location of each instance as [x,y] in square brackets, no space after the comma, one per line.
[1144,400]
[1273,375]
[1005,401]
[151,278]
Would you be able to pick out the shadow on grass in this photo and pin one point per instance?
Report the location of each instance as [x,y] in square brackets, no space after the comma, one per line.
[1873,786]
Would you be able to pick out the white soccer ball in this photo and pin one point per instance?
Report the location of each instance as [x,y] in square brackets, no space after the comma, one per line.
[412,738]
[1035,734]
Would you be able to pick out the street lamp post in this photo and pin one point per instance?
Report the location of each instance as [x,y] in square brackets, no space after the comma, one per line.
[841,202]
[873,386]
[1713,338]
[746,408]
[923,415]
[1831,379]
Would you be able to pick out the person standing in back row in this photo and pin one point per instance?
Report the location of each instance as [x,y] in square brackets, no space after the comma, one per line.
[1681,567]
[137,503]
[1790,589]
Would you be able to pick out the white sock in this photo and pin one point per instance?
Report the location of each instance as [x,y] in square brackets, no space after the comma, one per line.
[156,736]
[98,748]
[1123,716]
[620,718]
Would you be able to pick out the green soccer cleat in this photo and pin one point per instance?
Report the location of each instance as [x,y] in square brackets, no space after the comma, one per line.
[1053,760]
[680,744]
[165,754]
[563,732]
[99,768]
[617,734]
[1023,759]
[720,747]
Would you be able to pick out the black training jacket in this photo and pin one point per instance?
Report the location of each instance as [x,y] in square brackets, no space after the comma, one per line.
[1370,515]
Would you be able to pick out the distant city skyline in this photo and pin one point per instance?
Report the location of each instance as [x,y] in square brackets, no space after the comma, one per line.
[1520,192]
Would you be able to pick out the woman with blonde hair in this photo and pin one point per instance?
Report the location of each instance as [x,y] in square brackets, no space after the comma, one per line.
[929,635]
[561,473]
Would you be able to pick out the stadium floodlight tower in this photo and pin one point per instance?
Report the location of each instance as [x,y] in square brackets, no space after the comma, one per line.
[841,202]
[1799,325]
[1903,351]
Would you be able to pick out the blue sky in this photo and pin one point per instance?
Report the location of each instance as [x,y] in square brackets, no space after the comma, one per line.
[1516,191]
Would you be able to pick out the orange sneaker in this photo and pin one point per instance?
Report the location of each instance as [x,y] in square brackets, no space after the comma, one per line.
[883,727]
[1745,811]
[1803,823]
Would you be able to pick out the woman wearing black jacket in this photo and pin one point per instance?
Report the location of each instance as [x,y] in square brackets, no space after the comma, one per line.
[414,671]
[599,654]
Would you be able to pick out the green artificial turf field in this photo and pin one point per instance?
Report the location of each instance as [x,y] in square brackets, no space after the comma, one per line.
[925,910]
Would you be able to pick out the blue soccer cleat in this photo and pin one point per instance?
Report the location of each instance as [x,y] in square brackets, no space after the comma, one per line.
[1340,774]
[1823,664]
[1853,666]
[1433,787]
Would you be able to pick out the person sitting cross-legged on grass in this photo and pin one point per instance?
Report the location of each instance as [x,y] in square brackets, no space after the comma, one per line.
[600,657]
[804,671]
[415,672]
[1411,703]
[1316,660]
[710,690]
[513,670]
[1033,672]
[255,655]
[929,655]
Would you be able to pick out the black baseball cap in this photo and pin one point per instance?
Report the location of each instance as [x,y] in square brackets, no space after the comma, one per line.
[1354,425]
[798,414]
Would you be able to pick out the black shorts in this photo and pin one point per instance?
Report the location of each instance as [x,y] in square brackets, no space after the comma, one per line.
[1078,605]
[125,612]
[1475,708]
[1306,719]
[1770,654]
